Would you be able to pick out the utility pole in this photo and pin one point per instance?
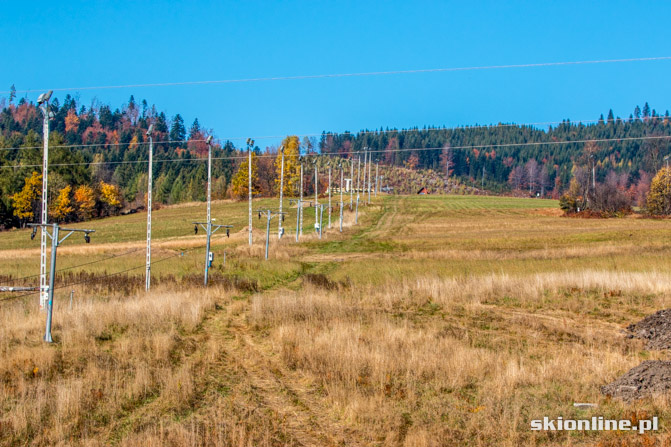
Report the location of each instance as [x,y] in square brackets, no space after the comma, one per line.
[207,225]
[56,240]
[300,202]
[329,165]
[210,229]
[341,185]
[365,159]
[321,219]
[280,230]
[209,210]
[43,103]
[298,219]
[250,144]
[269,215]
[316,192]
[147,279]
[351,183]
[358,178]
[377,177]
[370,160]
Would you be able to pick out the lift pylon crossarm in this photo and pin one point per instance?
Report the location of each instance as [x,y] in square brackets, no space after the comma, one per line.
[56,240]
[215,227]
[269,214]
[69,230]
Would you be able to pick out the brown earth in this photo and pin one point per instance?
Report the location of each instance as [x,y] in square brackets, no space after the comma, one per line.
[655,329]
[649,378]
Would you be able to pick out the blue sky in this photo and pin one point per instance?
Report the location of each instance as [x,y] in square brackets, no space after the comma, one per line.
[77,43]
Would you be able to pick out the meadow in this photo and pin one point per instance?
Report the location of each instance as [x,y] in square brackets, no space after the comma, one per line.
[437,320]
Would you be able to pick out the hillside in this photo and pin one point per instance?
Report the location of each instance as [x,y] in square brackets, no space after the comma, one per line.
[97,148]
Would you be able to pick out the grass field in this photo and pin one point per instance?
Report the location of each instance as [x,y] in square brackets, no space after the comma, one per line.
[438,320]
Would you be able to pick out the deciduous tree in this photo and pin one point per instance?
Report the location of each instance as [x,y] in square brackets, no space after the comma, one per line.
[26,202]
[240,181]
[659,197]
[85,200]
[62,207]
[291,166]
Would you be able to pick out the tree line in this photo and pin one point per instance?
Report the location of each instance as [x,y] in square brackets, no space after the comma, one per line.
[98,155]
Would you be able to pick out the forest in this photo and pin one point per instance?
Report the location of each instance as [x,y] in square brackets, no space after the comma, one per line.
[98,157]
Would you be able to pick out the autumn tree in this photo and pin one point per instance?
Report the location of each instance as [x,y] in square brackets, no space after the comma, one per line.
[413,161]
[62,207]
[659,197]
[85,200]
[26,202]
[240,181]
[71,121]
[291,166]
[110,197]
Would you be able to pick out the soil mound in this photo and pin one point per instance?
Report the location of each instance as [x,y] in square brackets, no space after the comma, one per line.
[649,378]
[655,329]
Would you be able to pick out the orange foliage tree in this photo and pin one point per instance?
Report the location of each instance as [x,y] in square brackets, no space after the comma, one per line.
[86,201]
[71,121]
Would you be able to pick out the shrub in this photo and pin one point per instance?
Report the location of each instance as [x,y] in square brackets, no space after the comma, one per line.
[658,201]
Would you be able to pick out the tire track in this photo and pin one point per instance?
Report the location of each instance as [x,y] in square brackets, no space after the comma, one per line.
[300,409]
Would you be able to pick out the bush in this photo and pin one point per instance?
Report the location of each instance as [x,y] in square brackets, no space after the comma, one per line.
[658,201]
[568,203]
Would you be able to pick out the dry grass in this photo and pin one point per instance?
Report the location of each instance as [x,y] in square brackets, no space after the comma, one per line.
[435,361]
[437,321]
[112,355]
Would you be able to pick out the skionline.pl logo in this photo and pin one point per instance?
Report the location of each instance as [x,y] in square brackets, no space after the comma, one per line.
[595,423]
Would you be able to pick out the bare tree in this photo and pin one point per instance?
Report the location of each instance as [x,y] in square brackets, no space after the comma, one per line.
[447,160]
[531,168]
[517,178]
[544,179]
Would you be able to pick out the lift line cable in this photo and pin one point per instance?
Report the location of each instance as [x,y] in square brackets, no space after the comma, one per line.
[353,134]
[244,157]
[80,265]
[104,276]
[350,75]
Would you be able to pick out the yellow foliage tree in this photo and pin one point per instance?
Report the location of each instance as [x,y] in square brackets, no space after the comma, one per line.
[659,198]
[240,181]
[110,195]
[25,200]
[86,201]
[62,206]
[134,142]
[291,166]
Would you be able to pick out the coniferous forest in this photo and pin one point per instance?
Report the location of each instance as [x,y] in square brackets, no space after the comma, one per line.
[97,156]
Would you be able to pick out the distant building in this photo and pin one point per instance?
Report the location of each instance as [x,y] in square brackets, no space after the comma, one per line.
[423,191]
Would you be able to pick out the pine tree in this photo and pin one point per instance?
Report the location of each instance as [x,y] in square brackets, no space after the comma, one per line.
[637,112]
[177,131]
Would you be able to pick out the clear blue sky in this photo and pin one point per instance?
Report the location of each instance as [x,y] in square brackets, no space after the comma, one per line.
[88,43]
